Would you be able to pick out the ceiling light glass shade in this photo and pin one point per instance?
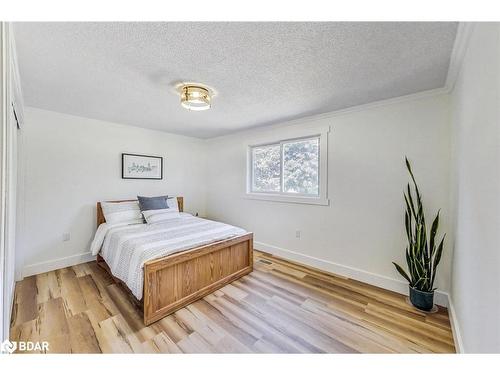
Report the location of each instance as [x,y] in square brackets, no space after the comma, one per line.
[195,98]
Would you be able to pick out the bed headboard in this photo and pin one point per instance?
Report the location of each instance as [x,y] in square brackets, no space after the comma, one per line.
[100,215]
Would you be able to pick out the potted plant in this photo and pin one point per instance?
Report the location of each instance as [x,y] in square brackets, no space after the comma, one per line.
[422,255]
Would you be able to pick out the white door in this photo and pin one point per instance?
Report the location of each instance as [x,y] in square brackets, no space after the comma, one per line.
[8,184]
[3,121]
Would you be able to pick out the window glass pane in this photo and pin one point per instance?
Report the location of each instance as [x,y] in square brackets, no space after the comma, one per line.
[301,167]
[266,168]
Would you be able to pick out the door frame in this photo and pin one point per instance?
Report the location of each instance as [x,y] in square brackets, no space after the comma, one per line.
[8,175]
[3,180]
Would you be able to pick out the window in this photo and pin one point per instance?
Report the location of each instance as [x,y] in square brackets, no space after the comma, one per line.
[289,170]
[266,168]
[301,167]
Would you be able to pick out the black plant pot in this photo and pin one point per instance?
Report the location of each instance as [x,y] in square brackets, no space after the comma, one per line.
[422,300]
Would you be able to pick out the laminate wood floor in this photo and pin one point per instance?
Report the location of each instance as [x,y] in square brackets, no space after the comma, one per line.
[281,307]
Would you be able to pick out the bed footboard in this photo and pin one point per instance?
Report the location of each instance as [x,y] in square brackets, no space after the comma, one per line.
[173,282]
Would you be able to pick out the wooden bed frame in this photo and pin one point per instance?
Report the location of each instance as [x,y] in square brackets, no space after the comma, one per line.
[174,281]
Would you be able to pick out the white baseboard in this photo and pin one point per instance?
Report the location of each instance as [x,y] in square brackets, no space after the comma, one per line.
[51,265]
[441,298]
[455,327]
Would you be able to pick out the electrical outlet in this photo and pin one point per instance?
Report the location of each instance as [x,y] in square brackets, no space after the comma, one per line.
[297,234]
[65,237]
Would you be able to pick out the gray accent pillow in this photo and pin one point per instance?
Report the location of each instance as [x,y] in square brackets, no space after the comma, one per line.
[152,203]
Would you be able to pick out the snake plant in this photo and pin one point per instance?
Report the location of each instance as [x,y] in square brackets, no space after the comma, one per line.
[422,256]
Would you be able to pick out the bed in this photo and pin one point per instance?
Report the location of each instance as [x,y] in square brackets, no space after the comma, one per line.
[164,284]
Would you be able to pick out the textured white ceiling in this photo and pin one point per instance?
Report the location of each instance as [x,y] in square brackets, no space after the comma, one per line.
[263,73]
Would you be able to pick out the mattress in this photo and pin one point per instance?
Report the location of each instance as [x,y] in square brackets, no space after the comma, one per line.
[126,248]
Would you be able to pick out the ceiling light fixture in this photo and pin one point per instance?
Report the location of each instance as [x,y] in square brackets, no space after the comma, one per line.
[195,98]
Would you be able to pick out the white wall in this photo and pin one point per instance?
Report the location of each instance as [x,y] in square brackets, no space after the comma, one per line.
[69,163]
[475,104]
[362,230]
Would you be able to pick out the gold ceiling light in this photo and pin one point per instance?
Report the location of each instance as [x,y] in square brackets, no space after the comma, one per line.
[195,98]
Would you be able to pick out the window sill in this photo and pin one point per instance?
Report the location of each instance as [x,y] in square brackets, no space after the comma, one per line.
[287,199]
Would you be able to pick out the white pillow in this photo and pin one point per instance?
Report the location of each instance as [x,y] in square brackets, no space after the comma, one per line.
[154,216]
[173,204]
[122,212]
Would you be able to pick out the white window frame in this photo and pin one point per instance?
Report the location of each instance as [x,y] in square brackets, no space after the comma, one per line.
[322,197]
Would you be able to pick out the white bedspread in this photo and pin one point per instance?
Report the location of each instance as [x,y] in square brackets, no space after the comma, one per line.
[126,248]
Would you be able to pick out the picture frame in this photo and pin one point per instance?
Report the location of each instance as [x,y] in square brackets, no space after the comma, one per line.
[142,167]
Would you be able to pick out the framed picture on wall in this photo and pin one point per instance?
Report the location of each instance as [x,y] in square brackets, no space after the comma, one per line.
[143,167]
